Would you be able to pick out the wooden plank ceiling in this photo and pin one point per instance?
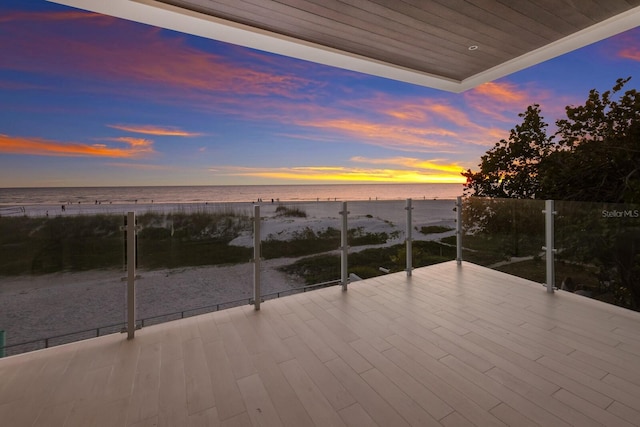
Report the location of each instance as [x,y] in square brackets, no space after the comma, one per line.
[449,44]
[431,36]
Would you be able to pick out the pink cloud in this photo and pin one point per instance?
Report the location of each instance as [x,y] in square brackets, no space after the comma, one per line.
[133,55]
[21,16]
[625,45]
[631,52]
[413,123]
[145,62]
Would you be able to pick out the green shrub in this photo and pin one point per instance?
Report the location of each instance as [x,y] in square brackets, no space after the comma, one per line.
[286,211]
[366,263]
[33,245]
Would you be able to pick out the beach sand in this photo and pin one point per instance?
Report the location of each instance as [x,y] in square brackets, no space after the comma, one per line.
[34,307]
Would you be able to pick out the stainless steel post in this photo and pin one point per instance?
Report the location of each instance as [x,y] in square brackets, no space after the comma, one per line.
[409,239]
[257,296]
[131,274]
[550,244]
[344,248]
[459,230]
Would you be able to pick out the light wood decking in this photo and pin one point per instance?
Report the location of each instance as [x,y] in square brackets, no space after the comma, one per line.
[450,346]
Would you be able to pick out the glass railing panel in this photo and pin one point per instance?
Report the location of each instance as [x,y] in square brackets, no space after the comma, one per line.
[60,278]
[598,251]
[434,231]
[506,235]
[376,236]
[300,246]
[193,259]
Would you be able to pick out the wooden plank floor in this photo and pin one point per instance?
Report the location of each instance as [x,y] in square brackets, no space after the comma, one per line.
[451,346]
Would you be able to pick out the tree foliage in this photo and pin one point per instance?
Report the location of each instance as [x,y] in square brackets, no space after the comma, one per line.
[593,156]
[510,168]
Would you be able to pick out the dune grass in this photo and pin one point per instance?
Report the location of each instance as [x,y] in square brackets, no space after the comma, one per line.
[36,245]
[366,264]
[288,211]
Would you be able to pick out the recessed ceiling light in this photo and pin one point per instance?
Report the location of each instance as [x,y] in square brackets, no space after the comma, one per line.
[473,47]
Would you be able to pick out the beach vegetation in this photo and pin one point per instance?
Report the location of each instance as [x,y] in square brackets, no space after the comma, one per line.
[307,241]
[47,245]
[360,237]
[37,245]
[366,264]
[434,229]
[180,239]
[293,212]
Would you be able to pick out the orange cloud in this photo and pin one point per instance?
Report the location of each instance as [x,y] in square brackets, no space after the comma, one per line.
[419,137]
[503,92]
[138,143]
[154,130]
[412,109]
[447,124]
[502,100]
[43,147]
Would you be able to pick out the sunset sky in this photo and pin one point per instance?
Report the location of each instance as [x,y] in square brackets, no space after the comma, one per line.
[90,100]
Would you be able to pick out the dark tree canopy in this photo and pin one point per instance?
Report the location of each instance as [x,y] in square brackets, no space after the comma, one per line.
[593,156]
[510,168]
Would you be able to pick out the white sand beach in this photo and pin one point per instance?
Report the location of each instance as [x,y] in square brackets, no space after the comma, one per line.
[33,307]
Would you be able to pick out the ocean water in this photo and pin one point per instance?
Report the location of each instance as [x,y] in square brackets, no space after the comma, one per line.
[225,194]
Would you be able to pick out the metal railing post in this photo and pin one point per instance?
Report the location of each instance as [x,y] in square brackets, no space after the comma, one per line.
[257,297]
[409,239]
[131,274]
[459,230]
[344,248]
[549,211]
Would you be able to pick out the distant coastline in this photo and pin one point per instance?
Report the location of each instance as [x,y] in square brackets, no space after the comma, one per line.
[57,196]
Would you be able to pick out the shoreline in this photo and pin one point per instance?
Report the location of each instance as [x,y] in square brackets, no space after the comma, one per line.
[286,193]
[51,210]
